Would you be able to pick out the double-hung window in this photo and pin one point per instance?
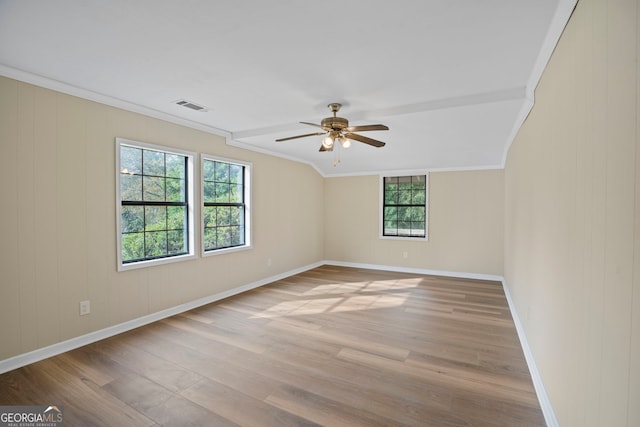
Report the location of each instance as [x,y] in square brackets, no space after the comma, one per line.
[404,206]
[155,209]
[226,202]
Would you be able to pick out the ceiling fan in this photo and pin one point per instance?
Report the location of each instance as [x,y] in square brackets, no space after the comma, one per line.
[338,129]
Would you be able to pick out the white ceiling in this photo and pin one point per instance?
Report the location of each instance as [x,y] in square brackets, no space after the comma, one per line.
[453,79]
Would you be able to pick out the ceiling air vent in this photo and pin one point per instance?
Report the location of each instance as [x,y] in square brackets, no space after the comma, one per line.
[192,105]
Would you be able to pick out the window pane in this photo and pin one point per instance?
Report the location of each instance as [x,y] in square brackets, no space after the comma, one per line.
[208,170]
[236,236]
[404,214]
[403,228]
[236,194]
[132,219]
[418,197]
[176,242]
[153,189]
[176,217]
[155,244]
[209,238]
[209,216]
[130,160]
[391,213]
[175,166]
[155,218]
[130,187]
[209,192]
[223,215]
[221,172]
[224,237]
[390,197]
[417,228]
[222,193]
[236,174]
[175,190]
[153,163]
[404,197]
[132,246]
[418,213]
[418,183]
[237,215]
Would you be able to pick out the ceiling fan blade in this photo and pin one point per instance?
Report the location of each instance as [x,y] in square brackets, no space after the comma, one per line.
[300,136]
[313,124]
[323,148]
[370,141]
[364,128]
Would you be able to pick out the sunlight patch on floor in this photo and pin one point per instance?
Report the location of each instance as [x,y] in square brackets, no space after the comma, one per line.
[333,305]
[353,287]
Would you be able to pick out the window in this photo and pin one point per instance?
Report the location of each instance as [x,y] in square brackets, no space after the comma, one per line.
[155,204]
[226,200]
[404,206]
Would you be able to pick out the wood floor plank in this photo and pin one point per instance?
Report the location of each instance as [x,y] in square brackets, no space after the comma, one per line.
[240,408]
[167,374]
[329,346]
[344,340]
[324,411]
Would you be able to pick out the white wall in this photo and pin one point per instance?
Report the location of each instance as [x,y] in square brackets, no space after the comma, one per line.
[572,220]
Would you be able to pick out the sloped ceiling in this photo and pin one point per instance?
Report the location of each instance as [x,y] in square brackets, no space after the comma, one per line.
[453,80]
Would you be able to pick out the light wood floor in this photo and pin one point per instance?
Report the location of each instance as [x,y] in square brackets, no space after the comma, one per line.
[332,346]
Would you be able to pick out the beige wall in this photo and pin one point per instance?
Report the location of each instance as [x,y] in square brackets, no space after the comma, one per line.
[572,220]
[465,224]
[57,220]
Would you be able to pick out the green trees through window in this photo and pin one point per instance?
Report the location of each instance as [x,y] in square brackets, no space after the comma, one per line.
[224,204]
[154,216]
[405,206]
[157,207]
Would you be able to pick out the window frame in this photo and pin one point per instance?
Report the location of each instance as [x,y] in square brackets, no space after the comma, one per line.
[191,205]
[381,205]
[248,194]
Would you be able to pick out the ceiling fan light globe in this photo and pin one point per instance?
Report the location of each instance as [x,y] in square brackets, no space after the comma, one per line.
[345,143]
[327,142]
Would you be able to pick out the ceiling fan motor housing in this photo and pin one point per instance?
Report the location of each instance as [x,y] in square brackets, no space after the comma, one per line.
[334,123]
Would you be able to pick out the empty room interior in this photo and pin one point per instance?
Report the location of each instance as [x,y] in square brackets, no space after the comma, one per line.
[336,213]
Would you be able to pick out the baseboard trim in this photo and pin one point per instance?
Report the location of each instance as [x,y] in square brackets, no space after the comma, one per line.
[543,397]
[444,273]
[73,343]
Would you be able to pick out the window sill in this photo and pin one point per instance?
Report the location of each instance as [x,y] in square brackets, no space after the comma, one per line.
[405,238]
[226,250]
[154,262]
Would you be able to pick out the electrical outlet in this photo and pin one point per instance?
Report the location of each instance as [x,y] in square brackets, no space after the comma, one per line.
[85,307]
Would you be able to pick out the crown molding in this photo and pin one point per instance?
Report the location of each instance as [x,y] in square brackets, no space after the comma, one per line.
[89,95]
